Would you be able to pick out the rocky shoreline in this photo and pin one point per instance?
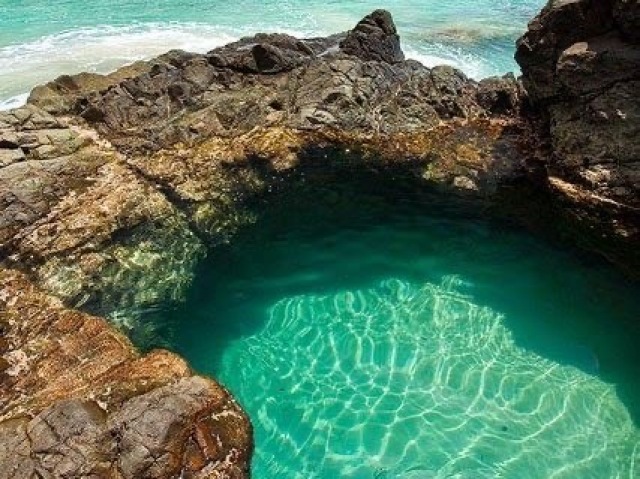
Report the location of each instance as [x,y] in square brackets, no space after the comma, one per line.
[581,69]
[113,187]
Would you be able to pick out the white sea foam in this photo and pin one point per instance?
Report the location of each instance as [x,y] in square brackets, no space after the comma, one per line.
[100,49]
[472,66]
[105,48]
[13,102]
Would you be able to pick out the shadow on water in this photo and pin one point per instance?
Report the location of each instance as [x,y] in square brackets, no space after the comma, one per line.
[334,231]
[296,247]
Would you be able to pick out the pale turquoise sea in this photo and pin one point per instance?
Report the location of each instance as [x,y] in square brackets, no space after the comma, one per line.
[40,40]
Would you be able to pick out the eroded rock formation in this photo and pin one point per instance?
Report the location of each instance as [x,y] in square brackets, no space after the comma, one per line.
[77,400]
[112,187]
[581,67]
[164,154]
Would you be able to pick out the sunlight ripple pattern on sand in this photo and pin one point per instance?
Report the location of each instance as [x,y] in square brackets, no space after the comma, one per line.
[417,381]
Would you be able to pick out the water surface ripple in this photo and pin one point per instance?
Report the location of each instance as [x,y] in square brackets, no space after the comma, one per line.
[388,340]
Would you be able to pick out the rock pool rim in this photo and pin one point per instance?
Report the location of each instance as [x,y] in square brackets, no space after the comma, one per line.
[460,120]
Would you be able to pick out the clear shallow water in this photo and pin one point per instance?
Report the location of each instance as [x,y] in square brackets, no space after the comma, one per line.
[40,40]
[376,338]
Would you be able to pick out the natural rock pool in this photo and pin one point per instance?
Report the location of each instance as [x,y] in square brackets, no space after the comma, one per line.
[268,209]
[371,334]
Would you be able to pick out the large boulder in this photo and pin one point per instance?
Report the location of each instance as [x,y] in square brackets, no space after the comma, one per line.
[356,82]
[560,24]
[626,16]
[580,61]
[263,53]
[374,38]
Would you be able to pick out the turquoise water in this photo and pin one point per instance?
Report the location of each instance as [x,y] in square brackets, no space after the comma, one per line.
[381,338]
[40,40]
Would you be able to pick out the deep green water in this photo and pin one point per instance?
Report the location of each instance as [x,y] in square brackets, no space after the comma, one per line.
[376,336]
[40,40]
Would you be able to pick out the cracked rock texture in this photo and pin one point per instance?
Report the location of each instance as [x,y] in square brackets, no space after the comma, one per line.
[152,164]
[581,67]
[77,400]
[112,187]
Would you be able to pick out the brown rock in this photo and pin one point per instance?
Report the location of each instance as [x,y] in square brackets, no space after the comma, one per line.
[581,66]
[374,38]
[111,188]
[560,24]
[501,96]
[626,16]
[263,53]
[72,411]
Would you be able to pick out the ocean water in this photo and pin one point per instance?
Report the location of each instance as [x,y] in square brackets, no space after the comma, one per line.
[40,40]
[372,336]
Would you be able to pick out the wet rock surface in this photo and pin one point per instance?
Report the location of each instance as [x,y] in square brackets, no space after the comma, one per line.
[374,38]
[77,400]
[112,187]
